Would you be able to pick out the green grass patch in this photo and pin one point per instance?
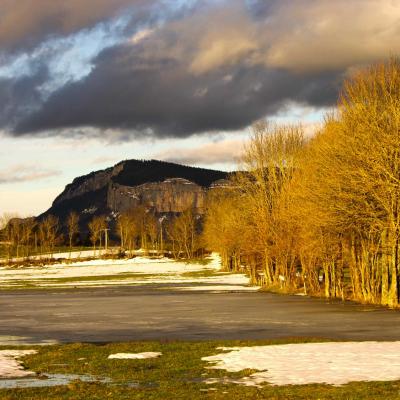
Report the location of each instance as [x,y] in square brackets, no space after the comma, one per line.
[178,374]
[120,276]
[199,261]
[201,274]
[42,283]
[32,252]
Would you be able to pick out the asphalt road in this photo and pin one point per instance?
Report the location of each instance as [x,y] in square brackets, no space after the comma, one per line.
[122,314]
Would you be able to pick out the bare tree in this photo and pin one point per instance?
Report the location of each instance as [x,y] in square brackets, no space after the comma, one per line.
[225,217]
[182,232]
[152,228]
[48,233]
[28,226]
[96,227]
[269,163]
[73,227]
[6,231]
[127,230]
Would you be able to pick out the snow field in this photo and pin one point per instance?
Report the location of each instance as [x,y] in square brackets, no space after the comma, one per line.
[10,366]
[307,363]
[146,271]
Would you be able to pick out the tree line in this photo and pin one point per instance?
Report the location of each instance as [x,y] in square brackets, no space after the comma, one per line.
[321,214]
[141,228]
[25,237]
[138,228]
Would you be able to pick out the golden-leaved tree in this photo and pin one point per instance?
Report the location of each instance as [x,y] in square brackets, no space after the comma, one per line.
[324,214]
[354,164]
[269,162]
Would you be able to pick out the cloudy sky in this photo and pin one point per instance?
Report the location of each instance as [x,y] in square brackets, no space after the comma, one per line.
[85,84]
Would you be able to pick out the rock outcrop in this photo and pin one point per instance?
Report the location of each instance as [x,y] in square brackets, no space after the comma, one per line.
[174,195]
[89,183]
[166,188]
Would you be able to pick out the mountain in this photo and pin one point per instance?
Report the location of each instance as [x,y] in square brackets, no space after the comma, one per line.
[166,188]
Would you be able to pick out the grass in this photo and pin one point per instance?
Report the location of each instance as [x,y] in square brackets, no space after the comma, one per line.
[202,274]
[199,261]
[99,278]
[68,282]
[49,283]
[32,252]
[19,284]
[178,374]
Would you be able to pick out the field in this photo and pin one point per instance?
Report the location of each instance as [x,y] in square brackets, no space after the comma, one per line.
[179,373]
[135,271]
[37,252]
[165,291]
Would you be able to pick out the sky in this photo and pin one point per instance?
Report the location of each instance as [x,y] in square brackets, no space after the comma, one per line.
[86,84]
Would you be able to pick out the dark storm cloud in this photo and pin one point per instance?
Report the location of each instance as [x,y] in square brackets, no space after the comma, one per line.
[212,66]
[262,8]
[20,96]
[124,92]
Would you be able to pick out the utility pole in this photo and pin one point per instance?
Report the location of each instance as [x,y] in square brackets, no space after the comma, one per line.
[106,238]
[161,234]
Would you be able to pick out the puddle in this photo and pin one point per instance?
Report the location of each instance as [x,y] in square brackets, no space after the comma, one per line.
[49,380]
[22,341]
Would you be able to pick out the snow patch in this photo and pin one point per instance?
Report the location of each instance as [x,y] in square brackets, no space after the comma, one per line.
[10,366]
[137,271]
[307,363]
[134,356]
[90,210]
[138,265]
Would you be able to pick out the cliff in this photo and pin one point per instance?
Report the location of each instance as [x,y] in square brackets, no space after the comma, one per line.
[89,183]
[173,195]
[166,188]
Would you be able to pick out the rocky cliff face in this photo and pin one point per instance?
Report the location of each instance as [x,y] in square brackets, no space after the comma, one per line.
[89,183]
[164,187]
[173,195]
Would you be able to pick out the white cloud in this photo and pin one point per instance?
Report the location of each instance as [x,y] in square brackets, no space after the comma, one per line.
[222,152]
[311,35]
[25,173]
[141,35]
